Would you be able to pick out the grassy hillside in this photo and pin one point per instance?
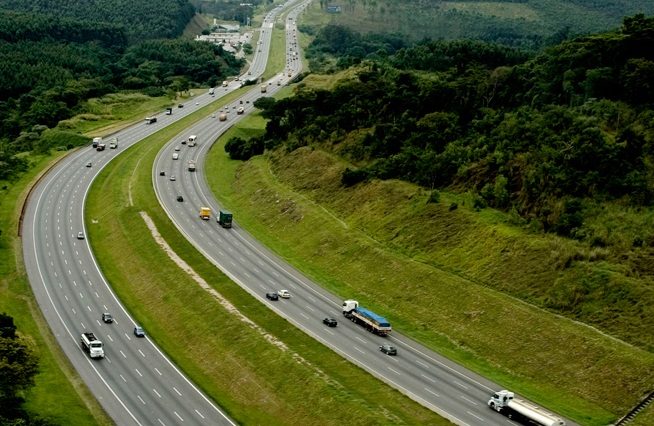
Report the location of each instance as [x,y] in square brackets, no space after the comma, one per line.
[525,23]
[383,238]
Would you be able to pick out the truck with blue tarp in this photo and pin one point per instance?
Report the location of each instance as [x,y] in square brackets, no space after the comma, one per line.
[366,318]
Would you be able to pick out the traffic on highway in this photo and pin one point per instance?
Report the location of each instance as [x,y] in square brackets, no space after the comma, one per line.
[128,374]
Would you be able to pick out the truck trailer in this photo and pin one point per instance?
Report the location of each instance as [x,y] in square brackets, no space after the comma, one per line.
[516,409]
[371,321]
[92,345]
[224,219]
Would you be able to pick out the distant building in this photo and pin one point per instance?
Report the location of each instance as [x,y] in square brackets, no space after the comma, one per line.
[228,28]
[333,9]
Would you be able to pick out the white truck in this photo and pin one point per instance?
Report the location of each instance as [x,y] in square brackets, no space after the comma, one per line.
[517,409]
[192,140]
[92,345]
[366,318]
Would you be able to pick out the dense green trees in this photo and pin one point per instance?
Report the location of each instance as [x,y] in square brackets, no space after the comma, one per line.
[540,136]
[18,366]
[138,19]
[49,65]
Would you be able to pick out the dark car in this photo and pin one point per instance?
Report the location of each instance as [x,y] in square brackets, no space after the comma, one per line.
[180,105]
[330,322]
[272,296]
[106,317]
[139,332]
[388,349]
[180,198]
[162,173]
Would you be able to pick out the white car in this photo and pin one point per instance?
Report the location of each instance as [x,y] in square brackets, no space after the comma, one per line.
[284,294]
[80,235]
[177,148]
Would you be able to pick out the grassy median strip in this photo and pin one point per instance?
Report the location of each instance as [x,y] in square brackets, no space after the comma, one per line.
[256,381]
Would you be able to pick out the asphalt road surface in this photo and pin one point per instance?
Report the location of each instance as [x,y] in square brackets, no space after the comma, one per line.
[135,383]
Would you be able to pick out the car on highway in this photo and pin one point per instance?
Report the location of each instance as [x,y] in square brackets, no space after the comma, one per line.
[80,235]
[388,349]
[89,164]
[172,177]
[180,105]
[284,294]
[240,110]
[180,198]
[177,148]
[330,322]
[162,173]
[139,332]
[107,318]
[272,296]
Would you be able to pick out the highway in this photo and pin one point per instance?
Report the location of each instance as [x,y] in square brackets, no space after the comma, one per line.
[435,382]
[135,383]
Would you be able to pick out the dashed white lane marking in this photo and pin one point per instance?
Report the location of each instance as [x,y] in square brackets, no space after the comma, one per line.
[158,372]
[358,349]
[138,372]
[199,414]
[432,392]
[304,315]
[310,308]
[394,371]
[123,354]
[155,391]
[124,380]
[460,384]
[431,379]
[178,416]
[142,354]
[475,416]
[360,339]
[469,400]
[140,399]
[175,389]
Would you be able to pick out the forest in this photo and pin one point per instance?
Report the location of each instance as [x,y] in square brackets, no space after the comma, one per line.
[50,65]
[528,24]
[540,136]
[137,19]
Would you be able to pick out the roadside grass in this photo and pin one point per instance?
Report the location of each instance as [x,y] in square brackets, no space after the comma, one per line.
[57,395]
[256,381]
[294,204]
[110,113]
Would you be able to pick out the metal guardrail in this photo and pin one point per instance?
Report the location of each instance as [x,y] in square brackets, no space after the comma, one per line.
[637,409]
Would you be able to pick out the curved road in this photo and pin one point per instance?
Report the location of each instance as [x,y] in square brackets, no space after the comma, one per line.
[135,383]
[430,379]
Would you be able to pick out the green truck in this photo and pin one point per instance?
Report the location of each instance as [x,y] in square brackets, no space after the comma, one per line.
[224,219]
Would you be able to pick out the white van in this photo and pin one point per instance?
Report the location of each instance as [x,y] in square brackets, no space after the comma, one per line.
[175,156]
[191,140]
